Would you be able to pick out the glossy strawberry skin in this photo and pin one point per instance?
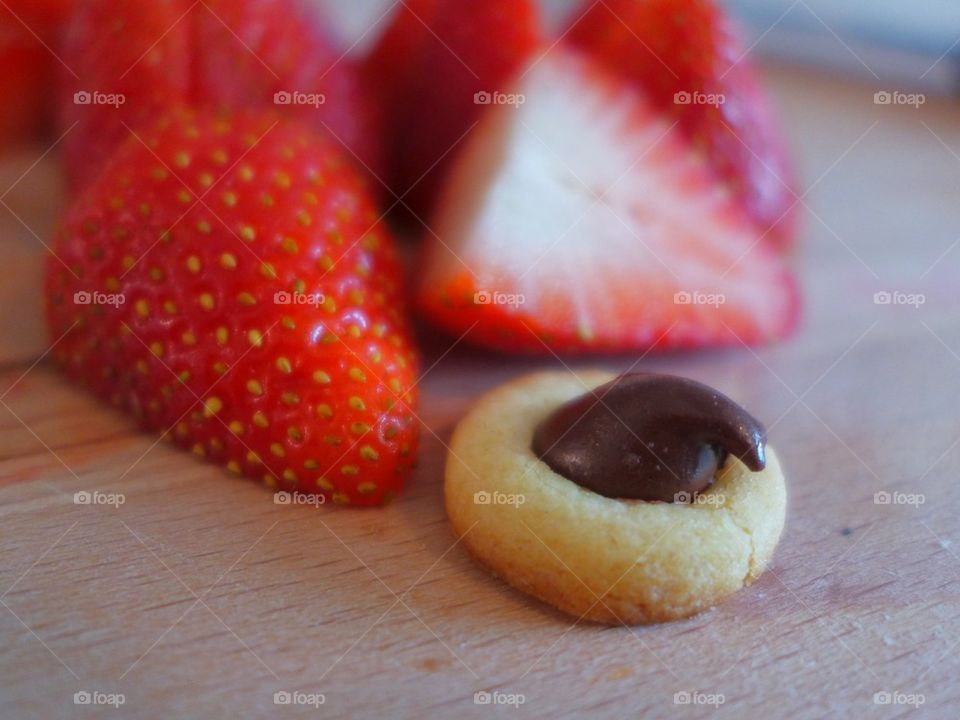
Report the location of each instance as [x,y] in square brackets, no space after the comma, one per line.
[220,54]
[691,47]
[311,390]
[427,69]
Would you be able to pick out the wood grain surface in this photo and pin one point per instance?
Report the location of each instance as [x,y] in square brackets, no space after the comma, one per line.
[198,597]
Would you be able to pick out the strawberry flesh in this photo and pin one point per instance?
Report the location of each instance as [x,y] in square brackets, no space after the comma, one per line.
[583,220]
[687,56]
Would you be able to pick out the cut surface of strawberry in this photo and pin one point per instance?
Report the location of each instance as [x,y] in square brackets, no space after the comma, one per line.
[583,220]
[229,283]
[687,56]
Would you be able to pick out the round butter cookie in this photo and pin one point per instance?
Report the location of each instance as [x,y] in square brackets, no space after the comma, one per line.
[614,559]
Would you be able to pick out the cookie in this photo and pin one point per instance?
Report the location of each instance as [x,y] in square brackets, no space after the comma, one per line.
[609,559]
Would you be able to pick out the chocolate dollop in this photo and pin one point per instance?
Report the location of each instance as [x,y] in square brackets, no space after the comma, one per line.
[648,437]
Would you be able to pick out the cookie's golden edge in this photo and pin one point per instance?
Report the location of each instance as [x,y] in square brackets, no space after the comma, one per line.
[611,561]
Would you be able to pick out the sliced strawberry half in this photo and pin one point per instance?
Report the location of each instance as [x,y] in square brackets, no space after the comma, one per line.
[583,220]
[432,70]
[686,54]
[228,282]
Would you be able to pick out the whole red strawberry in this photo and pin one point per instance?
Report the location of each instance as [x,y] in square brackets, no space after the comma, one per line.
[228,281]
[436,69]
[687,56]
[129,61]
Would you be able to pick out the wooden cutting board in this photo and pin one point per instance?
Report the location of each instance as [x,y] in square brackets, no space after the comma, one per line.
[198,597]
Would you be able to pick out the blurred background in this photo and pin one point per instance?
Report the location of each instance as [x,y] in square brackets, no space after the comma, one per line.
[914,43]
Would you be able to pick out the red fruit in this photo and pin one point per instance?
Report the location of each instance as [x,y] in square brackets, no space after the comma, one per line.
[249,51]
[582,222]
[428,68]
[221,53]
[44,17]
[24,70]
[262,319]
[132,60]
[29,35]
[688,50]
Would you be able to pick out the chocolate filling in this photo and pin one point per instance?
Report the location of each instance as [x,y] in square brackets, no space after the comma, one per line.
[648,437]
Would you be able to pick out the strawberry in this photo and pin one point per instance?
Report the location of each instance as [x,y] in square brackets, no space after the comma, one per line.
[24,68]
[229,282]
[131,60]
[29,35]
[43,17]
[687,56]
[583,221]
[428,68]
[221,53]
[249,51]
